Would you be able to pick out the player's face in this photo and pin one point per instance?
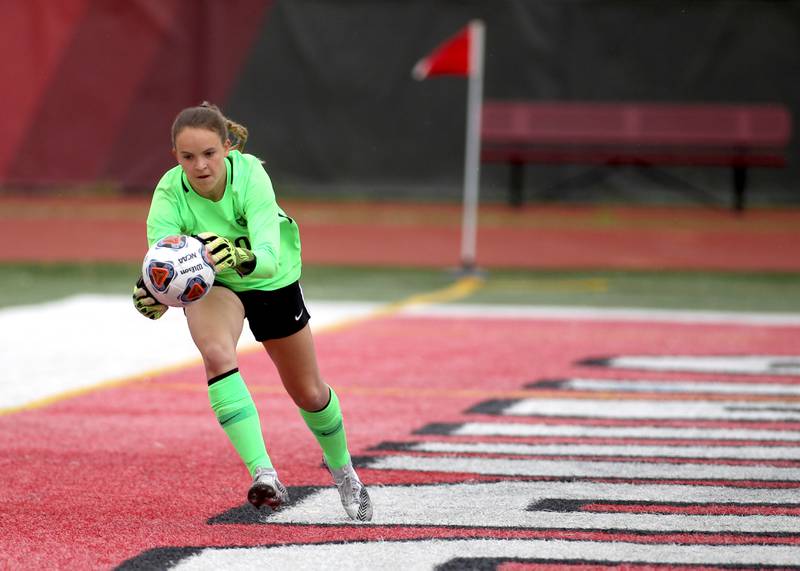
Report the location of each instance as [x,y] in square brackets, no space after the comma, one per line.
[201,154]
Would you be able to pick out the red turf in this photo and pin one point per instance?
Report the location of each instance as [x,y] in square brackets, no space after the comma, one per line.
[429,235]
[94,480]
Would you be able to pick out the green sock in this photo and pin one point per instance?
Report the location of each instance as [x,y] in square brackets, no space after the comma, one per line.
[328,428]
[238,417]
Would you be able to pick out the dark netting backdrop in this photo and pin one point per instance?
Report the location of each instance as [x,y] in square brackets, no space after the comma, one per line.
[328,93]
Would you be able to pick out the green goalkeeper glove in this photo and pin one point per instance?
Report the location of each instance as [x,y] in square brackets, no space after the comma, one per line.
[145,303]
[226,255]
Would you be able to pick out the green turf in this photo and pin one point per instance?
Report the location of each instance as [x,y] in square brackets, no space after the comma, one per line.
[23,284]
[667,290]
[35,283]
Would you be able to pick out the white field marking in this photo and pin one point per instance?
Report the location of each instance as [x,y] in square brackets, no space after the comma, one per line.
[512,505]
[655,386]
[583,468]
[427,555]
[62,346]
[654,409]
[726,364]
[735,452]
[566,313]
[645,432]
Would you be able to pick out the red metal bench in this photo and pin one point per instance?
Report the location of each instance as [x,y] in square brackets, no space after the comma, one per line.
[638,134]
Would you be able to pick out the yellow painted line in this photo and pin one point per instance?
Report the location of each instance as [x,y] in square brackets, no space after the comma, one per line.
[460,289]
[109,384]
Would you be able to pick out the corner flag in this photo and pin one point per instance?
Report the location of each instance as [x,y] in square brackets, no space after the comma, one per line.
[462,54]
[450,58]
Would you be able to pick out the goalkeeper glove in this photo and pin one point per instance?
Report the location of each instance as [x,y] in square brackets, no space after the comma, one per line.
[226,255]
[145,303]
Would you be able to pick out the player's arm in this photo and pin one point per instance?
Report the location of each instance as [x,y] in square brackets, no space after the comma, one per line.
[263,221]
[162,220]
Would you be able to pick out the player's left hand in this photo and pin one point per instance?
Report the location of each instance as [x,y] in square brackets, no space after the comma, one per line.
[224,254]
[145,303]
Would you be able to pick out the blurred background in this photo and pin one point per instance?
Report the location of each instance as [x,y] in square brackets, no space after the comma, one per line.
[350,139]
[325,85]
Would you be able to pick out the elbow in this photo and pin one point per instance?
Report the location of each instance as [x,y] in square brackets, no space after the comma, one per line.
[266,266]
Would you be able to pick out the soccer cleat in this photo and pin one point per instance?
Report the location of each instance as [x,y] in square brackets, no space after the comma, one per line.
[267,489]
[353,493]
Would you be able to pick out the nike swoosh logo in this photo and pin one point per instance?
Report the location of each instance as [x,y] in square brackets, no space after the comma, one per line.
[336,429]
[298,316]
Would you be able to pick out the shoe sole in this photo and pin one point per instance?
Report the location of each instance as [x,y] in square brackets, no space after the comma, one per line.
[260,494]
[364,512]
[364,506]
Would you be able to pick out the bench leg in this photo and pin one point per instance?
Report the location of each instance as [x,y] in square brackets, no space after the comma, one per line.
[739,183]
[515,183]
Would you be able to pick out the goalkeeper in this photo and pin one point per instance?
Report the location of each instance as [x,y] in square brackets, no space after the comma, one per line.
[225,198]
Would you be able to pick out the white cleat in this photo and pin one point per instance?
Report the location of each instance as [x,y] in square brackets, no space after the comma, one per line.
[267,489]
[355,499]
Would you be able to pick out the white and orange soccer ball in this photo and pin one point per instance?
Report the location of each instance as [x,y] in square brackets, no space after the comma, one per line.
[178,271]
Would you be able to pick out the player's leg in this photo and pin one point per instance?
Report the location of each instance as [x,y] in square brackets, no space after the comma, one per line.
[215,323]
[295,359]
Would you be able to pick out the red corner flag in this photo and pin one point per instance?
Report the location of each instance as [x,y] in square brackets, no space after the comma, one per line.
[463,55]
[449,58]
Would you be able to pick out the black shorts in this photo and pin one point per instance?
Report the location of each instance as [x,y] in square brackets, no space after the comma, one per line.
[275,314]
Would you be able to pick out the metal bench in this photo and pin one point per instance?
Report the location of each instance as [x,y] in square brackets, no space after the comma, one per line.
[637,134]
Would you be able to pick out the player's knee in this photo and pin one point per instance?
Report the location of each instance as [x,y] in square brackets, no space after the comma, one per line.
[218,357]
[311,396]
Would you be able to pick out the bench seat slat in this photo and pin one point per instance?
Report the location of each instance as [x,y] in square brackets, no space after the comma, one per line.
[642,124]
[599,156]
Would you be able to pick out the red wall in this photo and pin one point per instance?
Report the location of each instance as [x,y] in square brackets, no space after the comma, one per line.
[94,84]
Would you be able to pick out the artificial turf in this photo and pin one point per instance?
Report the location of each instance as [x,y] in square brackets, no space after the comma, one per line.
[728,291]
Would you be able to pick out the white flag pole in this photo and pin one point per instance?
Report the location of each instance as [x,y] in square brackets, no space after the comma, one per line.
[469,225]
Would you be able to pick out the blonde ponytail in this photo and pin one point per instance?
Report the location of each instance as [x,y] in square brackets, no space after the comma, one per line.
[239,134]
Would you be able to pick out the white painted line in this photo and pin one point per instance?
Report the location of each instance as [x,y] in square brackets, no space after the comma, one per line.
[487,311]
[644,432]
[654,409]
[513,505]
[734,452]
[427,555]
[584,469]
[655,386]
[728,364]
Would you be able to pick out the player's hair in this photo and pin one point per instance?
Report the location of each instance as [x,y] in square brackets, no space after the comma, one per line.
[208,116]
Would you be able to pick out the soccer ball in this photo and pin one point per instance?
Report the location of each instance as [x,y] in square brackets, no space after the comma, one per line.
[178,271]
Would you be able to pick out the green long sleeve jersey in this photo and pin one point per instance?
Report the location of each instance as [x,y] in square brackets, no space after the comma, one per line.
[247,214]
